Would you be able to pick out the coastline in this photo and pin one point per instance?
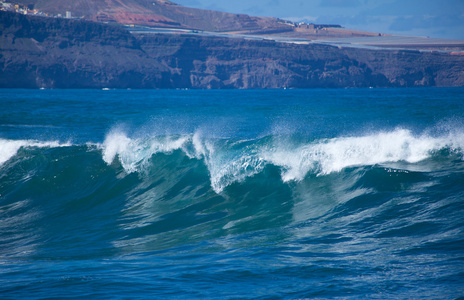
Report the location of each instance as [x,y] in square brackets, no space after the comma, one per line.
[60,53]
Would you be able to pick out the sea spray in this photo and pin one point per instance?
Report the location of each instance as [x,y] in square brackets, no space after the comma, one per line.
[133,154]
[332,155]
[234,161]
[9,148]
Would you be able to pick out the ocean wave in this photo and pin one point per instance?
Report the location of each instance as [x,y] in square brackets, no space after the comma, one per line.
[332,155]
[230,161]
[9,148]
[156,192]
[133,154]
[234,161]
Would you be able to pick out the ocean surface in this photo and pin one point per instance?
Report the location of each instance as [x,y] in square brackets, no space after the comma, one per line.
[235,194]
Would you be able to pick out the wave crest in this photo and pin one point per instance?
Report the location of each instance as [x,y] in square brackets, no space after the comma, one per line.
[230,161]
[134,153]
[332,155]
[9,148]
[234,161]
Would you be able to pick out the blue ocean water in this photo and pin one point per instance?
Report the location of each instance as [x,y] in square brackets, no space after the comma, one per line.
[184,194]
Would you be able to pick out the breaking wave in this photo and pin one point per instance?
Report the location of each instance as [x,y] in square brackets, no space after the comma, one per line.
[230,161]
[9,148]
[233,161]
[390,195]
[150,187]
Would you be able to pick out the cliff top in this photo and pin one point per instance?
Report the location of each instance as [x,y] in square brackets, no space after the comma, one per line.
[155,13]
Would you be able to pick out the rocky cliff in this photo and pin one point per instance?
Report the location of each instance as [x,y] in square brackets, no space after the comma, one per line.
[59,53]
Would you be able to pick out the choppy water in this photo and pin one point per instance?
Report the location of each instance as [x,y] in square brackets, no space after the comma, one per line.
[232,194]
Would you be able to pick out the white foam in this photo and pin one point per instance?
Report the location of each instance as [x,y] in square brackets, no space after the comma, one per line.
[333,155]
[224,165]
[226,172]
[227,163]
[234,162]
[134,153]
[201,148]
[9,148]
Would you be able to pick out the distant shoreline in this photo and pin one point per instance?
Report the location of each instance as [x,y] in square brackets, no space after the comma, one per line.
[65,53]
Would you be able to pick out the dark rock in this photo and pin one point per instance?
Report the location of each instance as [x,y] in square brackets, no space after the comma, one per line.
[59,53]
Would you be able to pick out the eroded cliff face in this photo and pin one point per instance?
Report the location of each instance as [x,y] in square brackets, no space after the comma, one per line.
[59,53]
[238,63]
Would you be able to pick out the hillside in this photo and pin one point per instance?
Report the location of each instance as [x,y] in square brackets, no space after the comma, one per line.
[40,52]
[156,13]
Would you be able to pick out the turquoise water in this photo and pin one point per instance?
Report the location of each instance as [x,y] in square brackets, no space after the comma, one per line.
[232,194]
